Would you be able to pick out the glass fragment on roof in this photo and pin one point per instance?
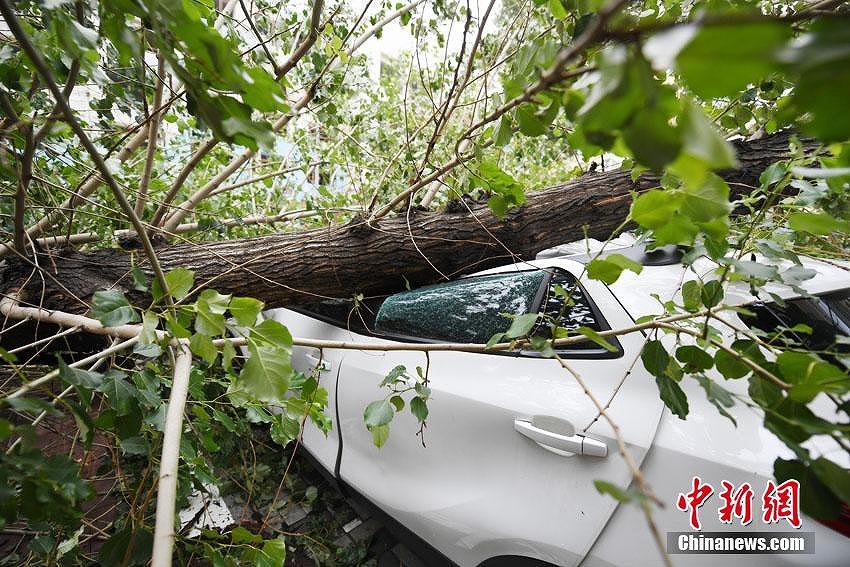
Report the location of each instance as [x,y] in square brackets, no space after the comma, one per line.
[465,311]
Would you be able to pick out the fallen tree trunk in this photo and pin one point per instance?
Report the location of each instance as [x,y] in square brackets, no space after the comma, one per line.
[339,261]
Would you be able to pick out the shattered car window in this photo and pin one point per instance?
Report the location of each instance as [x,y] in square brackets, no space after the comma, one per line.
[465,311]
[570,316]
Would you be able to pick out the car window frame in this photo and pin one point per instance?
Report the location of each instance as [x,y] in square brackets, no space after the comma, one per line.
[576,354]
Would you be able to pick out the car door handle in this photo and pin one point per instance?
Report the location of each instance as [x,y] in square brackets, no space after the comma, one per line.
[563,442]
[323,364]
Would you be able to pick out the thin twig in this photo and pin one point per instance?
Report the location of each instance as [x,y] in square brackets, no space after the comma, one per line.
[305,46]
[153,131]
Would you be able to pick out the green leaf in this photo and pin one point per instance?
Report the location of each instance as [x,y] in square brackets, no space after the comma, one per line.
[211,306]
[85,425]
[609,268]
[521,325]
[651,139]
[137,445]
[265,375]
[816,499]
[712,293]
[617,493]
[764,393]
[694,358]
[796,367]
[380,434]
[83,378]
[604,487]
[655,358]
[6,429]
[503,133]
[271,333]
[529,124]
[245,310]
[834,477]
[240,535]
[111,308]
[397,402]
[672,395]
[678,230]
[140,282]
[394,375]
[119,391]
[810,376]
[499,205]
[202,346]
[747,270]
[620,93]
[707,201]
[691,295]
[213,301]
[654,208]
[719,396]
[557,9]
[284,429]
[723,59]
[730,365]
[32,405]
[175,325]
[422,390]
[180,282]
[228,353]
[150,322]
[208,323]
[273,553]
[8,356]
[819,58]
[377,413]
[817,223]
[597,338]
[419,408]
[507,191]
[116,549]
[701,140]
[495,339]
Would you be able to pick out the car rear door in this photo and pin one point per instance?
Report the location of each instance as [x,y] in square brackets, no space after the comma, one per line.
[487,483]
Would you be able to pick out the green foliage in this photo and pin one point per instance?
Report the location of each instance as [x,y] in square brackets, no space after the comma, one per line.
[126,407]
[379,414]
[521,325]
[609,268]
[112,309]
[619,494]
[504,189]
[745,51]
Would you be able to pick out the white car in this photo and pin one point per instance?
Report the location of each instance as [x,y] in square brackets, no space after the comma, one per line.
[513,445]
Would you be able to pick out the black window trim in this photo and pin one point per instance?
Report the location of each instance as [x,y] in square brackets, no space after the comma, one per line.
[575,354]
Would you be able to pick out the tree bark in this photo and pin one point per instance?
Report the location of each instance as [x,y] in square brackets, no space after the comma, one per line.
[408,249]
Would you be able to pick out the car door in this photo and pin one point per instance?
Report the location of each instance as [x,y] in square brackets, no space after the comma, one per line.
[487,479]
[324,448]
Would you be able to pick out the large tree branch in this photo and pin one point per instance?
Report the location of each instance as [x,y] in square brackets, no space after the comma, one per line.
[341,260]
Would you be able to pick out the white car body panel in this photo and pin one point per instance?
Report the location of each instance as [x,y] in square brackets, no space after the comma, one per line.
[479,489]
